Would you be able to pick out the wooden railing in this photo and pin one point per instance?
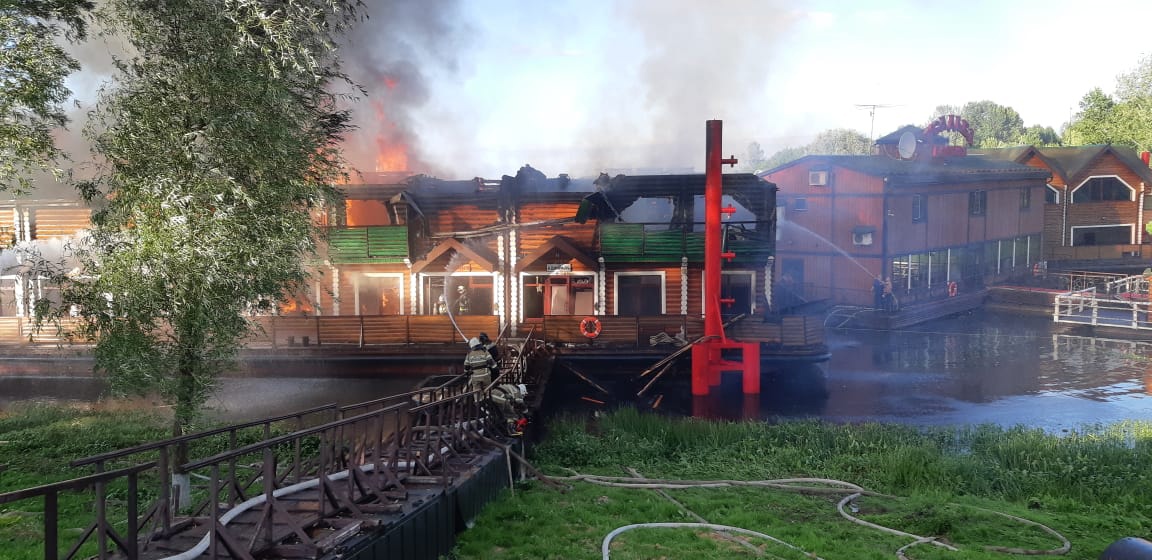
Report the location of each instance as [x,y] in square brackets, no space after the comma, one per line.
[380,331]
[377,443]
[647,331]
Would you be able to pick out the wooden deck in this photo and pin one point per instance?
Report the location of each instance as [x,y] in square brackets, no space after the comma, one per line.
[432,336]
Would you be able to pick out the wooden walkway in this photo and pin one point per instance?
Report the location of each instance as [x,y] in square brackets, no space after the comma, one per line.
[300,485]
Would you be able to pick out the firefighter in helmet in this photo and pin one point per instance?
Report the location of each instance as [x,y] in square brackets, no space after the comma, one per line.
[479,365]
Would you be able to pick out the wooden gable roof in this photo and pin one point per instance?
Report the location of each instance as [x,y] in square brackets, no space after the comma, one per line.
[557,244]
[443,251]
[1073,163]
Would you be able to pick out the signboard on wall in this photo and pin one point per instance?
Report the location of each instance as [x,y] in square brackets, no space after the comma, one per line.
[559,268]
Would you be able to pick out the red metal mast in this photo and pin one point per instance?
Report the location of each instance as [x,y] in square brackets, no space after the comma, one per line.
[707,360]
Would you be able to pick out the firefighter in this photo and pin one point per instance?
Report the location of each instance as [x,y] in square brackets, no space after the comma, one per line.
[479,365]
[509,401]
[490,346]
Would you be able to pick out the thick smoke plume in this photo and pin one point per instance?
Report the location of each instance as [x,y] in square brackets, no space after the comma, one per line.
[394,55]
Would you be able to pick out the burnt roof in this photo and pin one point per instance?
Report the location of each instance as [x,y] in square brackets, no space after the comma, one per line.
[1071,162]
[750,191]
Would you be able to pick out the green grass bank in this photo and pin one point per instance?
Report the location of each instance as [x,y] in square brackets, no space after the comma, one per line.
[1091,486]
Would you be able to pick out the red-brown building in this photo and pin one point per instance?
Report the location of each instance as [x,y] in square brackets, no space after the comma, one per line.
[924,215]
[1094,203]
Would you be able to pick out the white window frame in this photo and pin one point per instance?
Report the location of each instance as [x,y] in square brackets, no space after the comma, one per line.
[751,286]
[1072,193]
[1054,190]
[424,293]
[1131,232]
[663,288]
[818,178]
[589,273]
[356,286]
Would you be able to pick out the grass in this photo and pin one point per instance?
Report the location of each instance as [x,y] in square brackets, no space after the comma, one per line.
[1092,486]
[36,444]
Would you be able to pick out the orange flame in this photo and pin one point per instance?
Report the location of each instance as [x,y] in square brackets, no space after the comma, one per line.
[391,151]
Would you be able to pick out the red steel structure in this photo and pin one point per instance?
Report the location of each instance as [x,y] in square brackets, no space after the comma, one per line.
[708,356]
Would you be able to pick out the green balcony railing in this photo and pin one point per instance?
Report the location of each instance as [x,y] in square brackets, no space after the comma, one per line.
[368,245]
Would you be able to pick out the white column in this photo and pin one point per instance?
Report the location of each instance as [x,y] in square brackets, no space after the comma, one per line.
[603,288]
[503,273]
[768,282]
[513,283]
[414,303]
[683,285]
[336,293]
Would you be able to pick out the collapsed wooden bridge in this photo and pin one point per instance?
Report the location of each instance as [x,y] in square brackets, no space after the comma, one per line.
[397,475]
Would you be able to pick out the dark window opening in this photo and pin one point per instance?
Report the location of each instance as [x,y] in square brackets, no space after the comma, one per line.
[1101,189]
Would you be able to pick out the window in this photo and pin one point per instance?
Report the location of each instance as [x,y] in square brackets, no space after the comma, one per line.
[1051,195]
[557,294]
[800,204]
[1025,198]
[379,293]
[918,208]
[639,293]
[736,285]
[458,294]
[818,178]
[977,202]
[1102,235]
[1101,189]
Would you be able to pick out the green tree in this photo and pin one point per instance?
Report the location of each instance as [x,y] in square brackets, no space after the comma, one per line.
[1037,135]
[839,141]
[219,141]
[755,159]
[1125,119]
[1095,123]
[836,141]
[993,125]
[33,67]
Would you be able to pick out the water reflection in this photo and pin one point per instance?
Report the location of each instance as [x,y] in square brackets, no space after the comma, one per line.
[255,390]
[982,367]
[976,368]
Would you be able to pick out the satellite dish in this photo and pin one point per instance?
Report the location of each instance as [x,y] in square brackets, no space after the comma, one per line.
[907,145]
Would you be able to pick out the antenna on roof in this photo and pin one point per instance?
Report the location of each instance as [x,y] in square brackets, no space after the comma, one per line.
[872,113]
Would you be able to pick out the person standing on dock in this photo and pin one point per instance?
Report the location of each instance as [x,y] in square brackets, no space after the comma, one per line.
[479,365]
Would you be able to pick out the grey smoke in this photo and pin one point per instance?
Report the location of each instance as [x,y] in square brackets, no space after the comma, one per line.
[396,55]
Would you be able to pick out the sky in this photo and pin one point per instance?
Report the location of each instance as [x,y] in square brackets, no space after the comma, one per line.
[580,86]
[478,88]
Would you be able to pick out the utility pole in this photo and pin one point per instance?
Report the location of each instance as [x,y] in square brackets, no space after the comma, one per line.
[872,113]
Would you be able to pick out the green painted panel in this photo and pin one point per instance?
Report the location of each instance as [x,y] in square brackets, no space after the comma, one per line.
[388,241]
[384,244]
[622,240]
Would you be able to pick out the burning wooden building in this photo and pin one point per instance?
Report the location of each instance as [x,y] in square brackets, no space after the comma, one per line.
[610,261]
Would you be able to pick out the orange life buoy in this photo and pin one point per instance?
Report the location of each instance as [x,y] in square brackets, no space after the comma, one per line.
[590,327]
[951,289]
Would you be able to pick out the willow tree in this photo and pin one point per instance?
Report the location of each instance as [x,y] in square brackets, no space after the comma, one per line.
[219,138]
[33,67]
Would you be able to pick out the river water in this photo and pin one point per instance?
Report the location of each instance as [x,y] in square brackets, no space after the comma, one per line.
[983,367]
